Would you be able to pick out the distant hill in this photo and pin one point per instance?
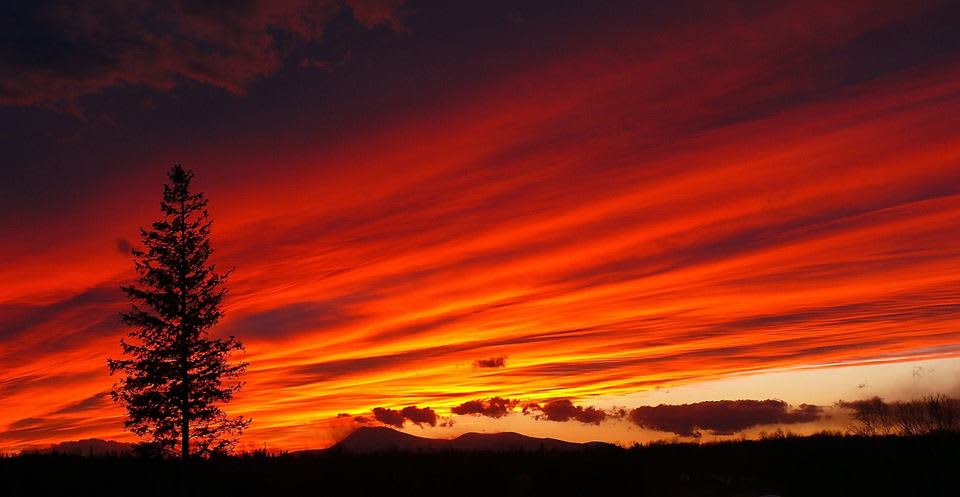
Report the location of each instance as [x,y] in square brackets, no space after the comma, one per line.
[370,440]
[509,441]
[88,447]
[383,439]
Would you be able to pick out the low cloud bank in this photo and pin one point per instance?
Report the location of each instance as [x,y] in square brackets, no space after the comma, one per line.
[721,417]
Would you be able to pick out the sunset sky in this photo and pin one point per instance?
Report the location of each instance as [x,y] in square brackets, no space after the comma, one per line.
[581,212]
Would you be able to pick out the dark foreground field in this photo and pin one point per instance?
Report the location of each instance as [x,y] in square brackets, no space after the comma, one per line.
[813,466]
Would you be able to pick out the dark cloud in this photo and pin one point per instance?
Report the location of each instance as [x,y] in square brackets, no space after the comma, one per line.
[54,52]
[91,403]
[420,416]
[417,415]
[40,428]
[371,13]
[721,417]
[927,37]
[70,420]
[124,246]
[493,362]
[565,410]
[17,319]
[291,319]
[390,417]
[496,407]
[14,386]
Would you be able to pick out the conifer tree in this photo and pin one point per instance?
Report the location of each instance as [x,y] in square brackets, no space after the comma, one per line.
[175,375]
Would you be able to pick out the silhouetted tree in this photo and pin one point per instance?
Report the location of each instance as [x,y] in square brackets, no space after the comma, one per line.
[933,413]
[871,416]
[176,376]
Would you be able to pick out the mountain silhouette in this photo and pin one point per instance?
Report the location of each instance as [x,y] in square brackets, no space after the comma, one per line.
[88,447]
[383,439]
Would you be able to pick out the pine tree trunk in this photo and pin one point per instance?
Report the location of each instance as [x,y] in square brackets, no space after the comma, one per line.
[184,346]
[185,443]
[184,401]
[185,436]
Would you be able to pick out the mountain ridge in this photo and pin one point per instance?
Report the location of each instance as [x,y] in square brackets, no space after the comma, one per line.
[384,439]
[87,447]
[370,439]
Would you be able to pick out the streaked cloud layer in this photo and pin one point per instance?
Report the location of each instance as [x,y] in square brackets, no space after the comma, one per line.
[645,199]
